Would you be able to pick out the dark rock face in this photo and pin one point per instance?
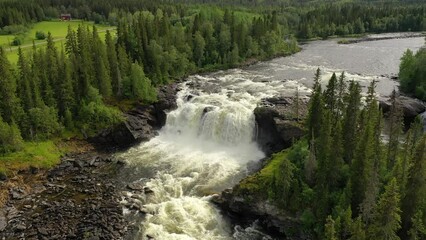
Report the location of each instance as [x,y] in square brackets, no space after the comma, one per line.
[78,201]
[141,122]
[272,219]
[411,107]
[279,123]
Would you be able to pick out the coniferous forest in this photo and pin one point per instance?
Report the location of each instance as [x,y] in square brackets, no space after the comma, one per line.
[343,180]
[353,176]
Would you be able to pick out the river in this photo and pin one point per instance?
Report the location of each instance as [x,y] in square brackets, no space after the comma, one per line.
[208,143]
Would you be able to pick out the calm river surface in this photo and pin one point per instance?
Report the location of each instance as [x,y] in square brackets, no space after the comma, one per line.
[208,142]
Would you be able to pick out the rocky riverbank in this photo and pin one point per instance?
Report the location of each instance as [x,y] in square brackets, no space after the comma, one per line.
[77,200]
[81,197]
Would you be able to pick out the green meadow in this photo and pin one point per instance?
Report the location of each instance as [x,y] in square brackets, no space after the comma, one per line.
[58,29]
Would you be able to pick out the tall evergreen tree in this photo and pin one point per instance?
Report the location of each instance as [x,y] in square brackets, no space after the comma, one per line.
[101,65]
[9,103]
[350,121]
[415,196]
[387,219]
[394,129]
[113,64]
[24,85]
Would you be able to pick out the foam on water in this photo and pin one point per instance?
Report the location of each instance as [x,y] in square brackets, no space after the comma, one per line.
[209,140]
[204,148]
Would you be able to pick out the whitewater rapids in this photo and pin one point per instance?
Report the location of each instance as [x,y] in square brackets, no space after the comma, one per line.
[206,146]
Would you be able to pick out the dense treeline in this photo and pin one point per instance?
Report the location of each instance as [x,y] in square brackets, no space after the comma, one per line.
[305,20]
[346,182]
[412,73]
[54,89]
[213,38]
[345,19]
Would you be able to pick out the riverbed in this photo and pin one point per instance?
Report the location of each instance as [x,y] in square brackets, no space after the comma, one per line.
[209,142]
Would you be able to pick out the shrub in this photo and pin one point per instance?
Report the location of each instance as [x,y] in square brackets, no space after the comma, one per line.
[94,115]
[40,35]
[44,122]
[17,41]
[10,138]
[13,30]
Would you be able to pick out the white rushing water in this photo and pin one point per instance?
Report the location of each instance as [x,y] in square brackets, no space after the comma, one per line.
[208,142]
[204,148]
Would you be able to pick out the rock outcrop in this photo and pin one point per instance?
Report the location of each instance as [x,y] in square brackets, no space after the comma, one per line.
[279,122]
[411,107]
[141,123]
[246,209]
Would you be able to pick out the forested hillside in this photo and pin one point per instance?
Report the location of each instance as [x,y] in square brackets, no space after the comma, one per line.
[305,19]
[343,181]
[65,87]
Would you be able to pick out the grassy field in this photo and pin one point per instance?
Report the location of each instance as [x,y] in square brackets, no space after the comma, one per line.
[58,29]
[36,154]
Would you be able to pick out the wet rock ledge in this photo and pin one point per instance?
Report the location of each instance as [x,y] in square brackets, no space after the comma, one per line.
[279,122]
[141,123]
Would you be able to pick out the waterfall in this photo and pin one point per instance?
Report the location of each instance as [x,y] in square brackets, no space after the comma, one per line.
[204,148]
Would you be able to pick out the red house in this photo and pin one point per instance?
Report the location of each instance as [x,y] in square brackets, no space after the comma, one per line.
[66,17]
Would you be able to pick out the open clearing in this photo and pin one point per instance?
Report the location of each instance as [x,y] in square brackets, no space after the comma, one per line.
[58,29]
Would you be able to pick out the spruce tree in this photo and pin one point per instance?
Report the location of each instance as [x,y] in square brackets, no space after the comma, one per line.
[387,219]
[415,196]
[51,84]
[24,85]
[394,129]
[330,232]
[330,94]
[9,103]
[101,65]
[350,121]
[113,64]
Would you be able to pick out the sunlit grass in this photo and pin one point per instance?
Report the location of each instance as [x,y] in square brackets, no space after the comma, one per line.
[58,29]
[44,154]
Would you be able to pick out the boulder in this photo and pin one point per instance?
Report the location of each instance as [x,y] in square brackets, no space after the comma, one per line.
[279,123]
[245,210]
[412,107]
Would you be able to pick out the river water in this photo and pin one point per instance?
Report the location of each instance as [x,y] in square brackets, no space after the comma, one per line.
[208,143]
